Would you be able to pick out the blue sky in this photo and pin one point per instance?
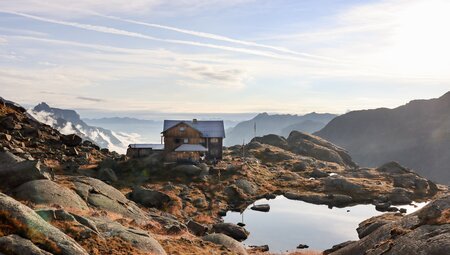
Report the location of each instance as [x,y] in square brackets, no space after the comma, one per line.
[140,57]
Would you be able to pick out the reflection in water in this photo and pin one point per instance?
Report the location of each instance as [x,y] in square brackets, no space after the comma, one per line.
[292,222]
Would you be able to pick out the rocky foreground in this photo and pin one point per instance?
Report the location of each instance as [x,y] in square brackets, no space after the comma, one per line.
[62,195]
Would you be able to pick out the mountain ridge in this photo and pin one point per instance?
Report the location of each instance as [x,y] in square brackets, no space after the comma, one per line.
[68,121]
[279,124]
[416,134]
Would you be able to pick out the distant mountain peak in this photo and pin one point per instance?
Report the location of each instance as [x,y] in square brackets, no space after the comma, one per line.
[68,121]
[279,124]
[262,115]
[43,106]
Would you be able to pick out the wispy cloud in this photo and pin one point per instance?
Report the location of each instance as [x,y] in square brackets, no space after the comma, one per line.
[91,99]
[110,30]
[217,37]
[70,8]
[22,31]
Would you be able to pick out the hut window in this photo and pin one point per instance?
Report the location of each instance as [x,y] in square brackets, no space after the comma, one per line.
[182,129]
[177,140]
[186,140]
[214,140]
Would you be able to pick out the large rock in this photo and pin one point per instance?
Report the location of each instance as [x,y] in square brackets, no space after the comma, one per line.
[169,222]
[15,174]
[313,146]
[196,228]
[231,230]
[316,173]
[107,174]
[426,231]
[226,241]
[83,223]
[16,245]
[46,192]
[71,140]
[414,182]
[103,196]
[400,196]
[269,156]
[187,170]
[10,122]
[393,168]
[246,186]
[7,158]
[138,238]
[149,198]
[368,226]
[30,225]
[274,140]
[341,184]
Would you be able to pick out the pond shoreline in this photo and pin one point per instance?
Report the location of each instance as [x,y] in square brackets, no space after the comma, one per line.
[293,222]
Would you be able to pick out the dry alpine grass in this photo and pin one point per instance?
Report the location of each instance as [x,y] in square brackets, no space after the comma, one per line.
[306,252]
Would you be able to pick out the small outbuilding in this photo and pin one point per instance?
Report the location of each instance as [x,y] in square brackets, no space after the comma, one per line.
[143,150]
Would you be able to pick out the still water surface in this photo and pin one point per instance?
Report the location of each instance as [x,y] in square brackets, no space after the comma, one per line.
[291,222]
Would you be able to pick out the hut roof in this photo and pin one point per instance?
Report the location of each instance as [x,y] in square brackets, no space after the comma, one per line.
[208,128]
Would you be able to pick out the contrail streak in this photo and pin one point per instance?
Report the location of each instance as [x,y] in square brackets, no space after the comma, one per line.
[110,30]
[214,37]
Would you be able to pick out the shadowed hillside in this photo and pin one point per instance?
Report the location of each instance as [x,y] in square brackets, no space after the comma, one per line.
[416,134]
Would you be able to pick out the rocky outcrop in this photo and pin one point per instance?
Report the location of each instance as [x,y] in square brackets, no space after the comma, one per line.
[51,215]
[46,192]
[30,225]
[16,172]
[7,158]
[426,231]
[187,170]
[226,241]
[313,146]
[231,230]
[149,198]
[368,226]
[100,195]
[274,140]
[305,145]
[16,245]
[71,140]
[341,184]
[107,174]
[269,156]
[196,228]
[246,186]
[138,238]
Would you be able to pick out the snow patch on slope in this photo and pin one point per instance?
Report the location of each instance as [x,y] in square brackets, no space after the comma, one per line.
[114,141]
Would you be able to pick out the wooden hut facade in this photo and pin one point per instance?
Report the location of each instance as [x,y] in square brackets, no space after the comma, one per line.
[193,140]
